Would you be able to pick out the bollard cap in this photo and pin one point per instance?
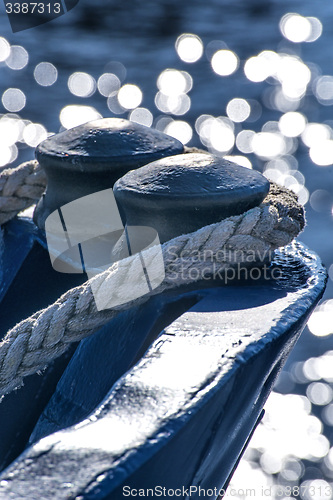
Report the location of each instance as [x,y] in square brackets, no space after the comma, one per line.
[91,157]
[109,142]
[182,193]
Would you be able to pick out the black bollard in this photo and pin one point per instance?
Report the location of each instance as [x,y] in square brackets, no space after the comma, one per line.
[91,157]
[168,393]
[180,418]
[175,195]
[78,162]
[183,193]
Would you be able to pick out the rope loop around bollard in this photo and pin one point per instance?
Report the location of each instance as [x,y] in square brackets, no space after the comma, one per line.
[243,239]
[20,188]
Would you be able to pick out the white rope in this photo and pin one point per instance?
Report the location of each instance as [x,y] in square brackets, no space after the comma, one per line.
[20,187]
[211,251]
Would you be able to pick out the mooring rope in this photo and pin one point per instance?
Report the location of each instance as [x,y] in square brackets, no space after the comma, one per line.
[20,188]
[36,341]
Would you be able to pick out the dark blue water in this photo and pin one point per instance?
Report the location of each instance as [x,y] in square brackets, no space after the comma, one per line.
[141,36]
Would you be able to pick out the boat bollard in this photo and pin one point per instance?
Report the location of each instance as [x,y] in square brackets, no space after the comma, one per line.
[174,196]
[209,341]
[77,162]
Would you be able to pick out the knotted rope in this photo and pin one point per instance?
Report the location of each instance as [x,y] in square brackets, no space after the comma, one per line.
[36,341]
[20,188]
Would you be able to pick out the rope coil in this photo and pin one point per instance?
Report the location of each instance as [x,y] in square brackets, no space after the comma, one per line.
[36,341]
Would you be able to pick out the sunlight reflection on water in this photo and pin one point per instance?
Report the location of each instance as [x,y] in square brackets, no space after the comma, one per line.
[189,47]
[82,84]
[289,74]
[45,74]
[13,99]
[18,57]
[290,447]
[289,83]
[225,62]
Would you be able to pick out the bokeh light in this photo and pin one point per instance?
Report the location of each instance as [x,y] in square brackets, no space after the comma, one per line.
[224,62]
[10,130]
[315,133]
[288,429]
[216,133]
[238,110]
[172,82]
[74,115]
[175,104]
[319,393]
[327,415]
[280,101]
[45,74]
[311,369]
[324,366]
[323,90]
[114,106]
[296,28]
[268,145]
[302,194]
[277,171]
[289,70]
[294,76]
[292,469]
[283,171]
[5,155]
[314,369]
[292,91]
[18,57]
[189,47]
[270,463]
[116,68]
[260,67]
[330,272]
[4,49]
[172,96]
[320,323]
[33,134]
[108,84]
[82,84]
[142,116]
[321,200]
[13,99]
[130,96]
[247,480]
[244,141]
[292,124]
[317,489]
[321,153]
[162,122]
[179,129]
[316,29]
